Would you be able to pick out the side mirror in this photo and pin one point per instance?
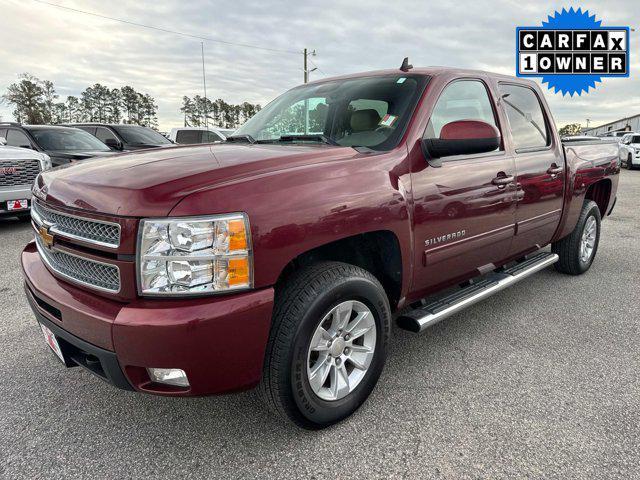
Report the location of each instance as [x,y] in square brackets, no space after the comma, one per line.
[113,144]
[462,137]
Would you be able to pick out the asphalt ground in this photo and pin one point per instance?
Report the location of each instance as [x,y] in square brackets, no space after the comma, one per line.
[538,381]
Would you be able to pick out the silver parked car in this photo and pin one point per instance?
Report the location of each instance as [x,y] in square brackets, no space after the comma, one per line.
[19,167]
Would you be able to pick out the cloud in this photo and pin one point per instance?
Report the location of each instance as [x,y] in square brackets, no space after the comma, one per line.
[75,50]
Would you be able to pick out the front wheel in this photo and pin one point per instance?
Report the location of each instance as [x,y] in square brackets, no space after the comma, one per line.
[578,249]
[629,162]
[328,344]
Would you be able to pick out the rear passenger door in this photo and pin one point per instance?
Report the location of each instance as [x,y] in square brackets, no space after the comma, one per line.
[464,211]
[540,173]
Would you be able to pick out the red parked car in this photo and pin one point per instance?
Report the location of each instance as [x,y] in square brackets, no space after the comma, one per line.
[281,257]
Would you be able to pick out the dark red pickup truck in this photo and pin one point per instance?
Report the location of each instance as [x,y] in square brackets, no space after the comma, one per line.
[281,257]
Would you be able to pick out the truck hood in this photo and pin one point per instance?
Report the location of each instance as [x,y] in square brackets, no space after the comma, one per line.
[151,182]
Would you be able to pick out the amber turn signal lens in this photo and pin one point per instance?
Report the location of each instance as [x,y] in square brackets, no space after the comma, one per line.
[237,235]
[238,271]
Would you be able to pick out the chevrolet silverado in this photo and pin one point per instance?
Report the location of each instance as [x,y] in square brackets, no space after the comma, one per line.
[280,258]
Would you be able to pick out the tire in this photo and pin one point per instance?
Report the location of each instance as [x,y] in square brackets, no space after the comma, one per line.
[629,162]
[301,308]
[572,261]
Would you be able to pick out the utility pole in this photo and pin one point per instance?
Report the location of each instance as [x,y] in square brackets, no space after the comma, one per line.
[305,66]
[204,84]
[588,120]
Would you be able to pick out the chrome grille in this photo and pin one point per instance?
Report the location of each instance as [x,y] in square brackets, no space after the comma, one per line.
[18,172]
[67,225]
[98,275]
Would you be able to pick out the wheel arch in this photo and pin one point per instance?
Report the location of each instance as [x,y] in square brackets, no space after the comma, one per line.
[378,252]
[600,192]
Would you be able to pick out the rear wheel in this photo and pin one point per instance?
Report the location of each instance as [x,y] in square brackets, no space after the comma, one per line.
[578,249]
[328,344]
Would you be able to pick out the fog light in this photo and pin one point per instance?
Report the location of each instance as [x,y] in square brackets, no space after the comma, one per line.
[169,376]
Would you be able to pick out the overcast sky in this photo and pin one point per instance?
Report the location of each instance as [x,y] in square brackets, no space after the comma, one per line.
[75,50]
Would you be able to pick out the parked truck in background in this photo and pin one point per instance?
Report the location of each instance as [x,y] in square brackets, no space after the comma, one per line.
[279,258]
[18,169]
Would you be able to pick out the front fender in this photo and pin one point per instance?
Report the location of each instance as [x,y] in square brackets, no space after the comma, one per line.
[294,211]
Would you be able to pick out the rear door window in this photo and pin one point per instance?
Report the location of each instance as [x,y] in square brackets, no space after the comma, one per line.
[189,136]
[526,118]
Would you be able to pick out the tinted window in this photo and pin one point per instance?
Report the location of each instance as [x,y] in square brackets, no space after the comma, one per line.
[15,138]
[526,119]
[461,100]
[136,135]
[208,137]
[103,134]
[189,136]
[67,140]
[635,139]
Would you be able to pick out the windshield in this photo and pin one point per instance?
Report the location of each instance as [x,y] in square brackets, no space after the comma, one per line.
[137,135]
[68,140]
[362,112]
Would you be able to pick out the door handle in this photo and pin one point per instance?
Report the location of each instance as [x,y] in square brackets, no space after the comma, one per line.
[502,181]
[554,169]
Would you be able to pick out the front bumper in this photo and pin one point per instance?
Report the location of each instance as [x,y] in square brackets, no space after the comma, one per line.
[218,341]
[13,193]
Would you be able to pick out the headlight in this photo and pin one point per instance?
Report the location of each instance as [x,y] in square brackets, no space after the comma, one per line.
[194,256]
[46,162]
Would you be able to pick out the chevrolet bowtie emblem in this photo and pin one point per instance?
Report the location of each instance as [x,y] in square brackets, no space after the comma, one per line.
[47,238]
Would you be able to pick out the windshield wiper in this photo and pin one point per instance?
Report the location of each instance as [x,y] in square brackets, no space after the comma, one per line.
[241,138]
[315,137]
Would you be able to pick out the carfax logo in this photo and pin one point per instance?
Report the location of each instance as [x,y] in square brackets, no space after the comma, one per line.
[572,51]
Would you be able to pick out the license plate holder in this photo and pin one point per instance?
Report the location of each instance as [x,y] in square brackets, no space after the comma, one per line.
[52,342]
[16,205]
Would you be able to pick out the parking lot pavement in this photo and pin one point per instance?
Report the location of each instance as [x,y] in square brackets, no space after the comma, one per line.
[541,380]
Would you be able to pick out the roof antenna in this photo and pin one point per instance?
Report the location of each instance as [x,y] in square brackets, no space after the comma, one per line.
[405,67]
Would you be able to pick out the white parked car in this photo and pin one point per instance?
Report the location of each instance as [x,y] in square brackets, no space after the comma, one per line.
[19,167]
[629,150]
[190,135]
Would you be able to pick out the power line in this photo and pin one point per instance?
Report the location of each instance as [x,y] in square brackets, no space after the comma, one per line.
[165,30]
[319,69]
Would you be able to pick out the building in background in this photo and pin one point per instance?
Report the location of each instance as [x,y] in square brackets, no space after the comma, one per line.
[629,124]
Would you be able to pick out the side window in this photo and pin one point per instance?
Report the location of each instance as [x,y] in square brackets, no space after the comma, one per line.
[209,137]
[3,133]
[526,119]
[103,134]
[15,138]
[461,100]
[189,136]
[91,130]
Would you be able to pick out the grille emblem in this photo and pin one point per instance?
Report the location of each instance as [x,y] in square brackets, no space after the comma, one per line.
[47,238]
[8,171]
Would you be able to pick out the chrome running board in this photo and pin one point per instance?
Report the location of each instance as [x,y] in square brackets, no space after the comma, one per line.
[421,318]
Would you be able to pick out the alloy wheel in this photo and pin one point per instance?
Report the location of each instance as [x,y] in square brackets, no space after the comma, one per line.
[341,350]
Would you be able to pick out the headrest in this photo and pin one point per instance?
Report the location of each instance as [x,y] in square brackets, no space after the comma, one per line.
[364,120]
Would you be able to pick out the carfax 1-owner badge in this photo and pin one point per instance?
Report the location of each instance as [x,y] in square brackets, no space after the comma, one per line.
[572,51]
